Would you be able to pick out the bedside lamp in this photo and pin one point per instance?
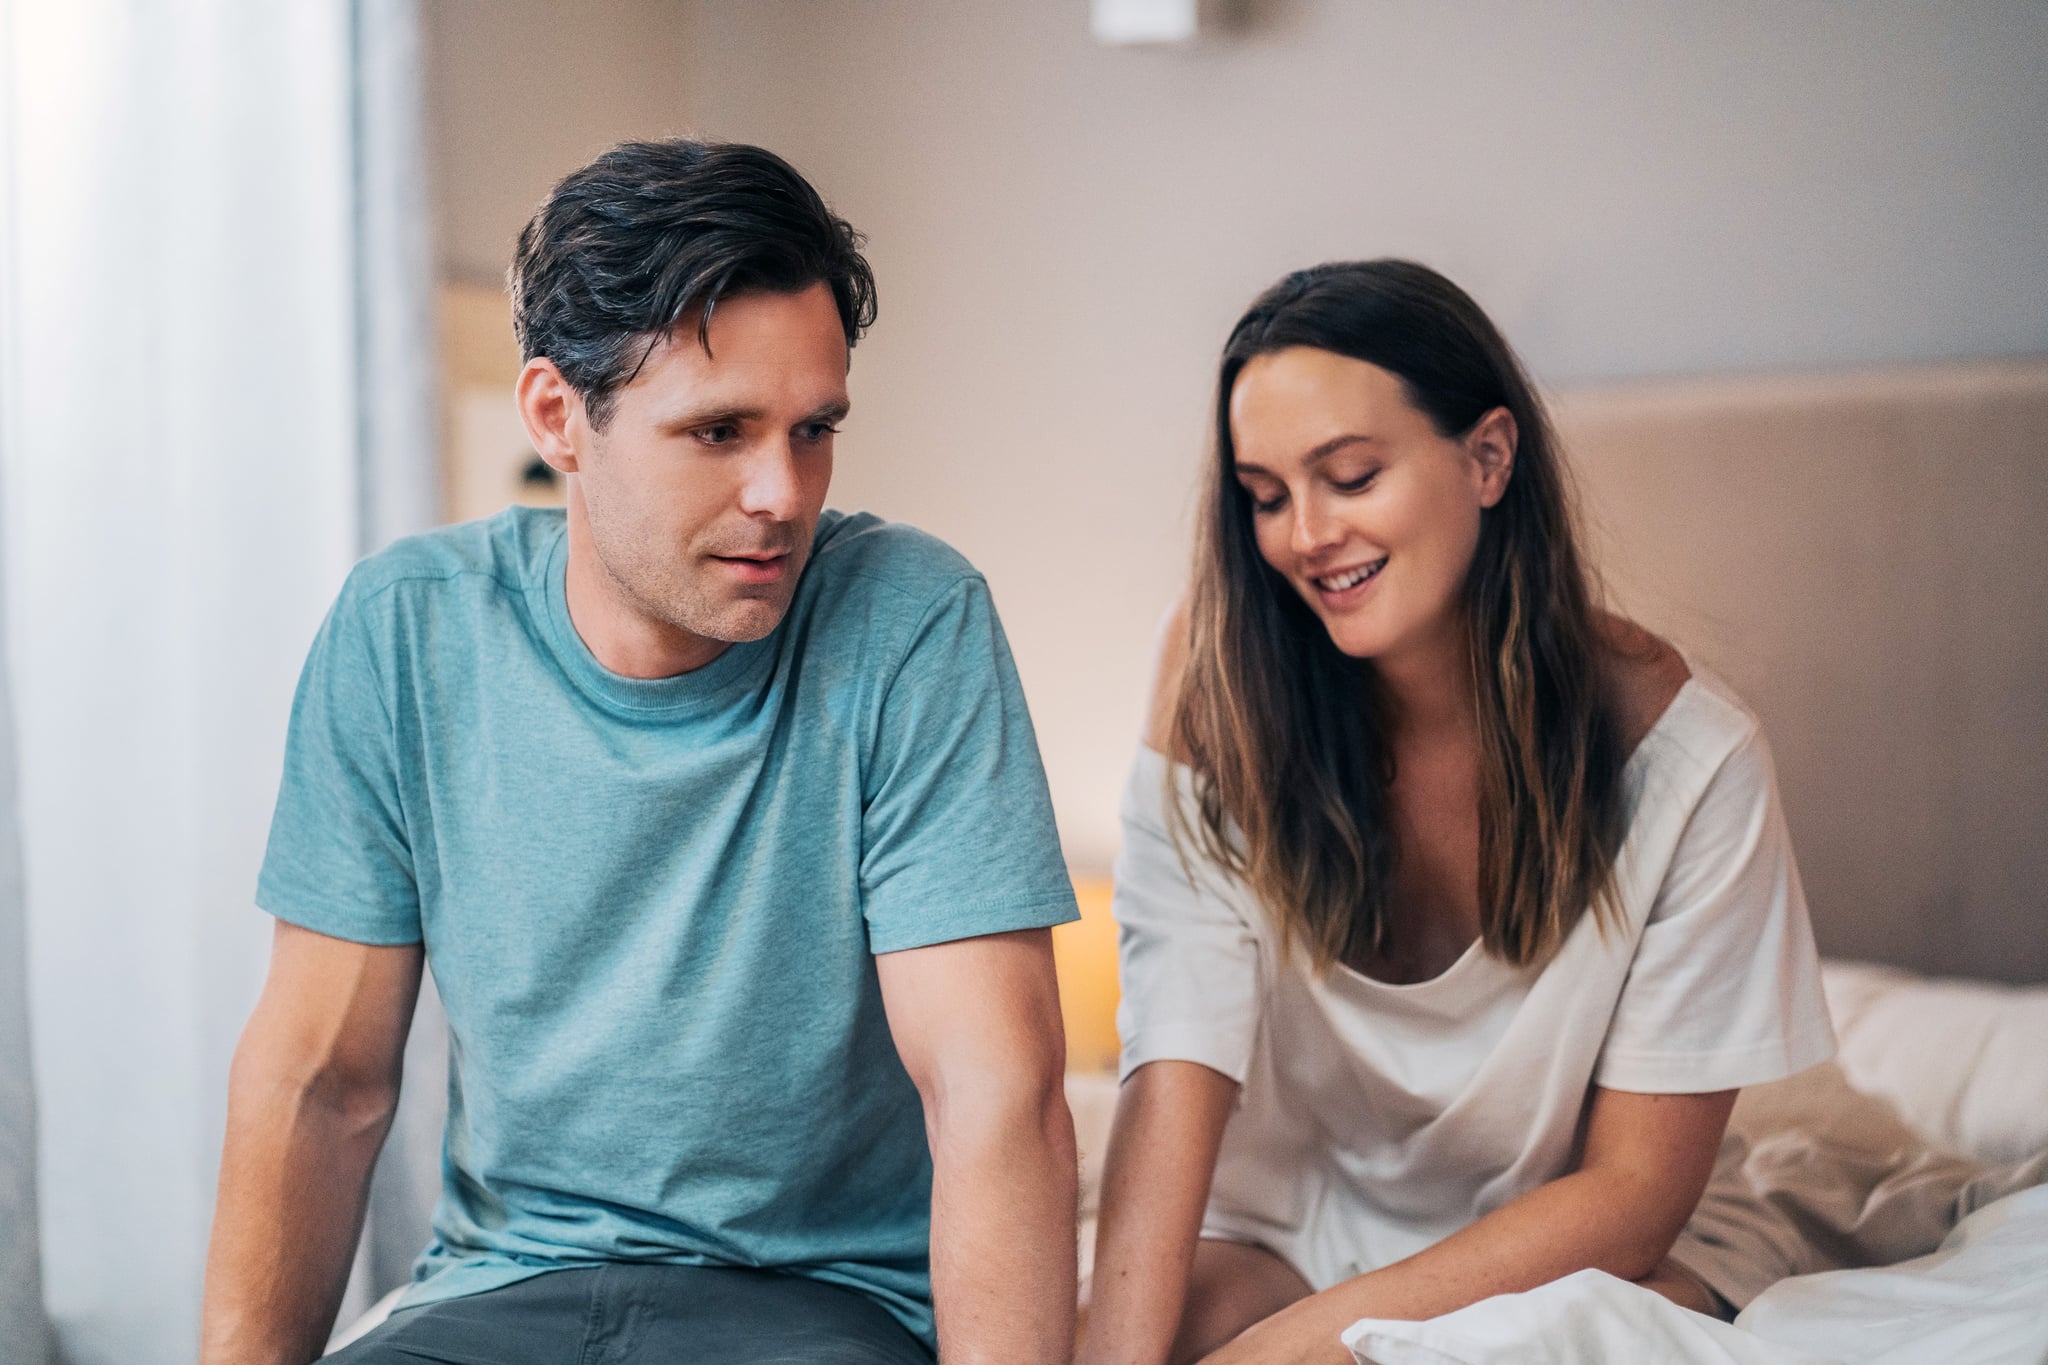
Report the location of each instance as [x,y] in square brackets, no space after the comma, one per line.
[1084,953]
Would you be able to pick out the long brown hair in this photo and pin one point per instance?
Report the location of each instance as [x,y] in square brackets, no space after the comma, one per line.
[1287,736]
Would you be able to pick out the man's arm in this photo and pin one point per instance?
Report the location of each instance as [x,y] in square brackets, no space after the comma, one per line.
[977,1023]
[310,1098]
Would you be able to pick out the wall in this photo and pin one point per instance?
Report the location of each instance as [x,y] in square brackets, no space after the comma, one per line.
[1842,549]
[1064,232]
[521,92]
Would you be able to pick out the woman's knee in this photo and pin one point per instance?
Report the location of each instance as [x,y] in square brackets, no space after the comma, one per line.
[1232,1286]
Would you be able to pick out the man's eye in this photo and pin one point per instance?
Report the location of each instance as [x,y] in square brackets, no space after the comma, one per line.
[724,433]
[817,431]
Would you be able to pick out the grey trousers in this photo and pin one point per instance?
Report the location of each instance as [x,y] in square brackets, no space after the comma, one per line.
[645,1315]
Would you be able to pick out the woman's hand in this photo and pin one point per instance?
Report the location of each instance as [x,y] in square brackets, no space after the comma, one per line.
[1646,1162]
[1304,1334]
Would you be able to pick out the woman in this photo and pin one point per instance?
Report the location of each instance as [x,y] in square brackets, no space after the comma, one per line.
[1454,911]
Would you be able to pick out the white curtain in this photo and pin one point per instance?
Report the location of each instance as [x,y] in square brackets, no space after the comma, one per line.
[22,1323]
[217,394]
[400,494]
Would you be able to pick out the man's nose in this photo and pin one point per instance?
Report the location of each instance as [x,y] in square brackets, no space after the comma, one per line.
[771,488]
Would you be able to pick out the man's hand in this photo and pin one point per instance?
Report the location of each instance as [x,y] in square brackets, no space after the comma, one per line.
[310,1098]
[977,1023]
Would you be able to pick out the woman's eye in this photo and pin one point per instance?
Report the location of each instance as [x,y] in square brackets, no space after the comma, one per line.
[1262,506]
[1357,485]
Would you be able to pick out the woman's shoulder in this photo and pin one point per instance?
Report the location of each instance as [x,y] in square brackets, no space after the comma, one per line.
[1644,673]
[1701,726]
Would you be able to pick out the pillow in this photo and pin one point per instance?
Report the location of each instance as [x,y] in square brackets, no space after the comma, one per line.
[1963,1061]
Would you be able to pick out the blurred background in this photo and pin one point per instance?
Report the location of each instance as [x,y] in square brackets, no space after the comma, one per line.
[1781,266]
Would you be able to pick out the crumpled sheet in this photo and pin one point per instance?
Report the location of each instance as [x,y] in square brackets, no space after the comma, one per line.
[1587,1317]
[1980,1299]
[1816,1175]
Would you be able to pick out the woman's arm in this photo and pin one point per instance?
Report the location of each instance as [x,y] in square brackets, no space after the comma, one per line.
[1646,1162]
[1162,1155]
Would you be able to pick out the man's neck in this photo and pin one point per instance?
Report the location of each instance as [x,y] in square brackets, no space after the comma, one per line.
[618,634]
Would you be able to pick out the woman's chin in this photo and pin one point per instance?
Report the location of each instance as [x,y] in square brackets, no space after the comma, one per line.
[1355,640]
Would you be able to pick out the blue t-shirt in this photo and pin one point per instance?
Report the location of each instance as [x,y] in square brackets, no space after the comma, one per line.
[651,906]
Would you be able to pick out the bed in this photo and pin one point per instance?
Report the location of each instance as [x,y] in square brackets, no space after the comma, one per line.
[1890,1206]
[1896,1212]
[1858,555]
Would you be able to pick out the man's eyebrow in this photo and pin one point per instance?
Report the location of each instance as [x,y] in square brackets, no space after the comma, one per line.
[1318,454]
[693,418]
[710,417]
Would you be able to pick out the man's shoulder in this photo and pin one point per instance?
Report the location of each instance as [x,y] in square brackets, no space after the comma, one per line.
[858,554]
[503,553]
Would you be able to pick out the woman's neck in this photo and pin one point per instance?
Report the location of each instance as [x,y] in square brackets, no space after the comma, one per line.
[1428,688]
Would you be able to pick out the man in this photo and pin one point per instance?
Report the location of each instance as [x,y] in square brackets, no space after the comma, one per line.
[719,820]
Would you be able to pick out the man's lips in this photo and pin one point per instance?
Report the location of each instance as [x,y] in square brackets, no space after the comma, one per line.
[767,566]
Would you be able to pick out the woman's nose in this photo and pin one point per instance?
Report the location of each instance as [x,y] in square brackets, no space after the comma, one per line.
[1314,527]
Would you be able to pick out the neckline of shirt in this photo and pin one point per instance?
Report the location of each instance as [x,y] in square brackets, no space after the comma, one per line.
[1447,981]
[1450,982]
[699,690]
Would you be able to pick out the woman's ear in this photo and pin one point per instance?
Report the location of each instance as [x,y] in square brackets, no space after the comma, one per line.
[550,407]
[1491,444]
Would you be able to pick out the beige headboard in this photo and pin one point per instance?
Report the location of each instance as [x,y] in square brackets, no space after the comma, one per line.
[1865,557]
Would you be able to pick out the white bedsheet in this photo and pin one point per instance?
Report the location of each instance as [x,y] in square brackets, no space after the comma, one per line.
[1587,1317]
[1981,1299]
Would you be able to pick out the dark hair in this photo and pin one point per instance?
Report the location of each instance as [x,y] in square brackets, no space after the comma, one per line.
[1287,734]
[623,249]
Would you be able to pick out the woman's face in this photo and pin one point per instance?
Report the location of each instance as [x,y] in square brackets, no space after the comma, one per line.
[1357,500]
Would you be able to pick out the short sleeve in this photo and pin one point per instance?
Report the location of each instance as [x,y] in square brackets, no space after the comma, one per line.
[338,860]
[1724,989]
[957,832]
[1187,952]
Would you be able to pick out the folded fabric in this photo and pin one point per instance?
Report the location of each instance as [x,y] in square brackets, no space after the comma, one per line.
[1981,1299]
[1817,1176]
[1590,1316]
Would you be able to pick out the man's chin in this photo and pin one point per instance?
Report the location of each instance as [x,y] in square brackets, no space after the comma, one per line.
[744,621]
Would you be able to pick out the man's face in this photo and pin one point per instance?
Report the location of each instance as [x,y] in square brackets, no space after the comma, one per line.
[703,489]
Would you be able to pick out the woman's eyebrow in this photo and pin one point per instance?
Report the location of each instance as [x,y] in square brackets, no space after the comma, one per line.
[1315,456]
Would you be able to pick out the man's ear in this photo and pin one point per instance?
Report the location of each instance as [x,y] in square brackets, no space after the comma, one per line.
[552,411]
[1491,444]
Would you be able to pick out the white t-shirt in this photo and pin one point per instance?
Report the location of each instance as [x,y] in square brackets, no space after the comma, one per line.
[1376,1119]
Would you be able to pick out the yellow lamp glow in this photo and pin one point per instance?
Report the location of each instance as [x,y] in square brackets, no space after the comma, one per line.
[1084,953]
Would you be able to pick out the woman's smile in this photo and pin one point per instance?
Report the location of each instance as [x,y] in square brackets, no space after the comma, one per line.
[1346,588]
